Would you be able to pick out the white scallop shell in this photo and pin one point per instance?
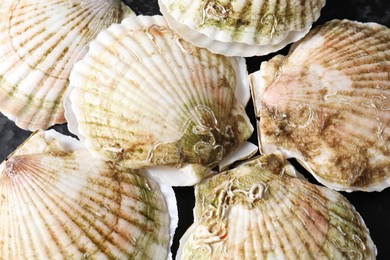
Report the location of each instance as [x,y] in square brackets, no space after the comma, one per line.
[143,97]
[327,104]
[257,212]
[39,43]
[241,27]
[57,202]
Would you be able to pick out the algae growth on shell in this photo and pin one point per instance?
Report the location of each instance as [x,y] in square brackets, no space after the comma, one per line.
[142,97]
[259,211]
[327,104]
[39,43]
[57,201]
[241,28]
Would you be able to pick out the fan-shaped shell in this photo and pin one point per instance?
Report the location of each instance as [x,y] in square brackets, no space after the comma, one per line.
[57,202]
[327,104]
[142,96]
[241,28]
[256,211]
[39,43]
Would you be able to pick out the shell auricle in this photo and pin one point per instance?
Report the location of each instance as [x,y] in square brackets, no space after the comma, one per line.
[259,211]
[327,104]
[58,202]
[143,97]
[39,43]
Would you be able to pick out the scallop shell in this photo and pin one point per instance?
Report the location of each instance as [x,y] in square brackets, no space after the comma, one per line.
[57,202]
[241,28]
[39,43]
[256,211]
[327,104]
[143,97]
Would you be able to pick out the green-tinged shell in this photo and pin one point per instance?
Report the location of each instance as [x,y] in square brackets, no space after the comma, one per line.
[258,211]
[327,104]
[142,96]
[58,202]
[39,43]
[241,27]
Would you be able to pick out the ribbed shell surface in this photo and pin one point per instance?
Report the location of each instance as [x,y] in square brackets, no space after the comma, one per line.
[256,211]
[327,103]
[142,96]
[39,43]
[58,202]
[241,27]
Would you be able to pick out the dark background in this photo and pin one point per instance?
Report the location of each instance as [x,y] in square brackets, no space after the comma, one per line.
[374,207]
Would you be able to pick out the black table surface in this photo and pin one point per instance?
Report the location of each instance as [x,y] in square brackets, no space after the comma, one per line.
[374,207]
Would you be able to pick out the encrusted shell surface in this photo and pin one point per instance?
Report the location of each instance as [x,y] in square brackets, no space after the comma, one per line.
[39,44]
[257,211]
[327,104]
[57,202]
[241,27]
[142,96]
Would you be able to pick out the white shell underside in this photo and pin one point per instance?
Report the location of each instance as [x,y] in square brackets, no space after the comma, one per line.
[327,104]
[257,212]
[142,97]
[56,201]
[241,28]
[39,43]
